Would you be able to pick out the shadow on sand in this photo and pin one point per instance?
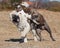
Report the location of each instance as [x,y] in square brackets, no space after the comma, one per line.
[17,40]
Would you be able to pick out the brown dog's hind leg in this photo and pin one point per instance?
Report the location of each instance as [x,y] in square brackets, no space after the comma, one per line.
[47,28]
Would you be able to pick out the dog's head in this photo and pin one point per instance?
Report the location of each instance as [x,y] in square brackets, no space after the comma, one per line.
[15,19]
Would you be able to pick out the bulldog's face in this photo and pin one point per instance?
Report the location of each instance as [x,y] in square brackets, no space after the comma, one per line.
[15,19]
